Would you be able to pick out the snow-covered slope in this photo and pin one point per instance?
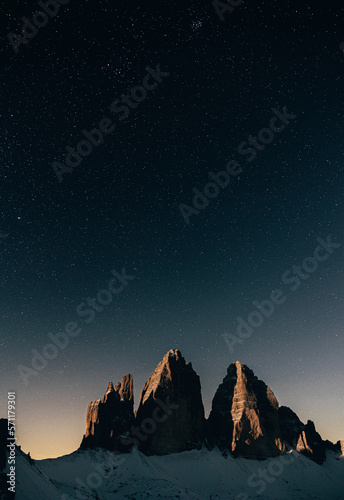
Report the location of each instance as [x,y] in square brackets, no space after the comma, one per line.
[99,474]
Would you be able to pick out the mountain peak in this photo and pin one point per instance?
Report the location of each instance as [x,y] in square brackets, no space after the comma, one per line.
[109,388]
[245,418]
[175,383]
[108,417]
[244,415]
[239,366]
[172,354]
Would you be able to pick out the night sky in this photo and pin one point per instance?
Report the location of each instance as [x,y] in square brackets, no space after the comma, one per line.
[120,208]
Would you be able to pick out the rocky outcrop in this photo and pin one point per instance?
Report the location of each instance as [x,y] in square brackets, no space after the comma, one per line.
[170,414]
[304,438]
[311,444]
[340,446]
[291,426]
[108,418]
[245,419]
[331,446]
[244,416]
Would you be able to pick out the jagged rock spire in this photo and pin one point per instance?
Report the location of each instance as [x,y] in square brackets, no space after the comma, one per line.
[171,401]
[107,418]
[304,438]
[244,416]
[245,419]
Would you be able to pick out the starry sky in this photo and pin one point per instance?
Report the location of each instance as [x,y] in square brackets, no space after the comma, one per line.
[120,207]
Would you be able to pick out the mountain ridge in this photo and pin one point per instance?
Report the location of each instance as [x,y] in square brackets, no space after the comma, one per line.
[245,419]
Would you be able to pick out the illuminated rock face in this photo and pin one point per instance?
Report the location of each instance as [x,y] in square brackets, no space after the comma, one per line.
[169,417]
[304,438]
[311,444]
[340,446]
[245,419]
[170,413]
[109,417]
[244,416]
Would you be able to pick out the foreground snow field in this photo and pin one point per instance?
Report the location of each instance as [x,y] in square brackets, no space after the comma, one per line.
[102,475]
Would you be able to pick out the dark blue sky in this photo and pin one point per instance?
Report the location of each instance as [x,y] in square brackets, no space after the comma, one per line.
[119,207]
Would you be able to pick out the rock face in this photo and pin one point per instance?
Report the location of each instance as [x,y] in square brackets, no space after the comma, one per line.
[331,446]
[291,426]
[244,416]
[170,414]
[304,438]
[245,419]
[109,417]
[311,444]
[340,446]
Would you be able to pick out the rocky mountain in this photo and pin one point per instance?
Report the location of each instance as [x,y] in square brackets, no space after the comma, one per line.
[111,416]
[291,425]
[170,413]
[311,444]
[244,416]
[302,437]
[245,419]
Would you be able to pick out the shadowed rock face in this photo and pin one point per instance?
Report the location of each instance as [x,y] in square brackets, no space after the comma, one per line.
[304,438]
[244,416]
[107,418]
[291,426]
[311,444]
[170,414]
